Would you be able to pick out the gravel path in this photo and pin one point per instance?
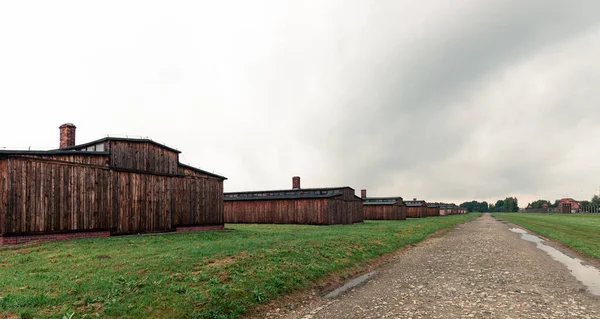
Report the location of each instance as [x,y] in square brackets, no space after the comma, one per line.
[478,270]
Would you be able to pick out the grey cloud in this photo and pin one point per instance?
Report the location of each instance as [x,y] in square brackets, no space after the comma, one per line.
[403,113]
[435,99]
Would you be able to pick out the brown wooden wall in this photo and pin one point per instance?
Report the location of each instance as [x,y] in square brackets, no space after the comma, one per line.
[144,203]
[321,211]
[56,197]
[198,201]
[357,209]
[300,211]
[143,156]
[345,211]
[3,194]
[385,212]
[39,196]
[416,212]
[98,160]
[433,211]
[349,195]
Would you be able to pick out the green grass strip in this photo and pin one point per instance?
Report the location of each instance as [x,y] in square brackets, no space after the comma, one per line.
[192,275]
[578,231]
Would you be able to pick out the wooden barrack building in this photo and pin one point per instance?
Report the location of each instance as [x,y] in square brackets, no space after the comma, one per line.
[444,209]
[110,186]
[433,209]
[314,206]
[416,208]
[383,208]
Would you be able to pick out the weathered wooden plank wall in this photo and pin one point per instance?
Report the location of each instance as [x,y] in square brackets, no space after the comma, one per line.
[198,201]
[285,211]
[349,195]
[144,203]
[339,212]
[358,212]
[143,157]
[99,160]
[41,196]
[322,211]
[433,211]
[56,197]
[3,194]
[416,212]
[385,212]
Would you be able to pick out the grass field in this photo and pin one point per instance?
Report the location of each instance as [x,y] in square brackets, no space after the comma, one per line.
[580,231]
[191,275]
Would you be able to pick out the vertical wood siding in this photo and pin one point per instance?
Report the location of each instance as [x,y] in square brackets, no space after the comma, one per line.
[385,212]
[55,197]
[320,211]
[433,211]
[416,212]
[143,156]
[40,196]
[198,201]
[339,212]
[358,212]
[301,211]
[144,202]
[98,160]
[3,194]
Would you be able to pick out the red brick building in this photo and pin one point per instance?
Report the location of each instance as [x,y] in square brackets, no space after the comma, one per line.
[568,205]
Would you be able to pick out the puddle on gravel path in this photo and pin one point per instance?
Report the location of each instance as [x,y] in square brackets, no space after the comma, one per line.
[350,284]
[588,275]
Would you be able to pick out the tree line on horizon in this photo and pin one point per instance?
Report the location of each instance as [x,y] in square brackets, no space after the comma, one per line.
[509,204]
[595,201]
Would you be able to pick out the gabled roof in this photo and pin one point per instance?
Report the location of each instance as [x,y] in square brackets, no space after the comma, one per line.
[433,205]
[303,193]
[567,200]
[382,200]
[123,139]
[446,205]
[414,203]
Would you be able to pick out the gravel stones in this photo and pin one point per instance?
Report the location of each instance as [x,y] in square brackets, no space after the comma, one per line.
[480,270]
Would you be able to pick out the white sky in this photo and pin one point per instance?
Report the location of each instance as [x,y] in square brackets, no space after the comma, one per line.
[445,101]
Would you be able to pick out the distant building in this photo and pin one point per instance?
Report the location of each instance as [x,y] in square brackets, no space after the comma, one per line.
[433,209]
[383,208]
[567,206]
[314,206]
[416,208]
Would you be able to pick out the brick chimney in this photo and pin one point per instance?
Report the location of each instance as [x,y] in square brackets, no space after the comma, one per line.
[363,193]
[414,199]
[67,135]
[296,182]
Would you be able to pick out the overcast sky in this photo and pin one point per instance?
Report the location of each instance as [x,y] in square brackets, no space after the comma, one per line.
[444,101]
